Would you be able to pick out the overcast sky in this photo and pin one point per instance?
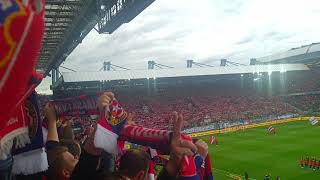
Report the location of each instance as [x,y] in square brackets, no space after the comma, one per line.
[172,31]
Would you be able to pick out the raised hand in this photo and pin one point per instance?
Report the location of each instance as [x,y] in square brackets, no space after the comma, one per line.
[50,112]
[51,116]
[130,120]
[179,148]
[105,100]
[202,148]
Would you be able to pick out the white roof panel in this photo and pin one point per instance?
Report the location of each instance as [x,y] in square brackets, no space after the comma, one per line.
[166,73]
[293,52]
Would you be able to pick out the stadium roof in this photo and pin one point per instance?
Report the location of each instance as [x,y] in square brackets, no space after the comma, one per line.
[67,22]
[309,54]
[64,30]
[173,72]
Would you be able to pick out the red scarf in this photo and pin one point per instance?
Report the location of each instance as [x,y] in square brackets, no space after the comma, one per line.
[21,30]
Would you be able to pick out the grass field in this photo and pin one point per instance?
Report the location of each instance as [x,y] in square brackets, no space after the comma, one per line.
[255,152]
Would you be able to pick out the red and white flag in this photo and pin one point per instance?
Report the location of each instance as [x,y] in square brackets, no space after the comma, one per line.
[213,140]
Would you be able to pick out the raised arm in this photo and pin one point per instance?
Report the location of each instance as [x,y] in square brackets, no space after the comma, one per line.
[103,101]
[51,116]
[179,149]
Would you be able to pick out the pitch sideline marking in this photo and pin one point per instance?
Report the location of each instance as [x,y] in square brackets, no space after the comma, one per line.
[229,174]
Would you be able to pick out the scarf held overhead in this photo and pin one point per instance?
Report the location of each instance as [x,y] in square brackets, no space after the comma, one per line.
[21,31]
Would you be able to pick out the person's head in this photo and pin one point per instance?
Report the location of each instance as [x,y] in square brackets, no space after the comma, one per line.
[73,147]
[66,133]
[134,164]
[61,163]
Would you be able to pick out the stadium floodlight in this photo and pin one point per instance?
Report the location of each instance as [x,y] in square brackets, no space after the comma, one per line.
[241,75]
[256,79]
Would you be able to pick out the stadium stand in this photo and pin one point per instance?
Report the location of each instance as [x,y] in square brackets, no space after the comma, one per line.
[225,98]
[308,104]
[204,108]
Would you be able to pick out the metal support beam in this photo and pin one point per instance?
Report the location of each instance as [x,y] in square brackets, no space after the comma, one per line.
[57,74]
[113,14]
[235,64]
[189,63]
[55,2]
[53,76]
[223,62]
[253,61]
[151,64]
[106,66]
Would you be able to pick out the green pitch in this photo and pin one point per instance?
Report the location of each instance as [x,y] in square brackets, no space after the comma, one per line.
[258,154]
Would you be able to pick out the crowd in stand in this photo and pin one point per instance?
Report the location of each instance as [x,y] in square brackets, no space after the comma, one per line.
[153,112]
[303,82]
[308,104]
[205,105]
[219,102]
[72,159]
[62,154]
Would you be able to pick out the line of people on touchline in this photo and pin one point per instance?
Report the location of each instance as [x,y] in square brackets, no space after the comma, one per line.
[310,162]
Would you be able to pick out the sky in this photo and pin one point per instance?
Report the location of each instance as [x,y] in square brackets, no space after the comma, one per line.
[172,31]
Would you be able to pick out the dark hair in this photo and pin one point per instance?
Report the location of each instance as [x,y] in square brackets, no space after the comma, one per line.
[132,162]
[66,133]
[110,176]
[55,161]
[72,145]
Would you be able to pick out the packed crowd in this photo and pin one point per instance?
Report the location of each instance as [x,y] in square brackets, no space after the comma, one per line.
[153,111]
[71,159]
[44,146]
[303,82]
[308,104]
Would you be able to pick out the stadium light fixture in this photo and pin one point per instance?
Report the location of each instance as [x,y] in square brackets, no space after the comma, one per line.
[256,79]
[241,75]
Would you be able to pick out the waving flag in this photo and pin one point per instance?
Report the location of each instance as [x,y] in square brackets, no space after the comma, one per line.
[313,121]
[213,140]
[271,130]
